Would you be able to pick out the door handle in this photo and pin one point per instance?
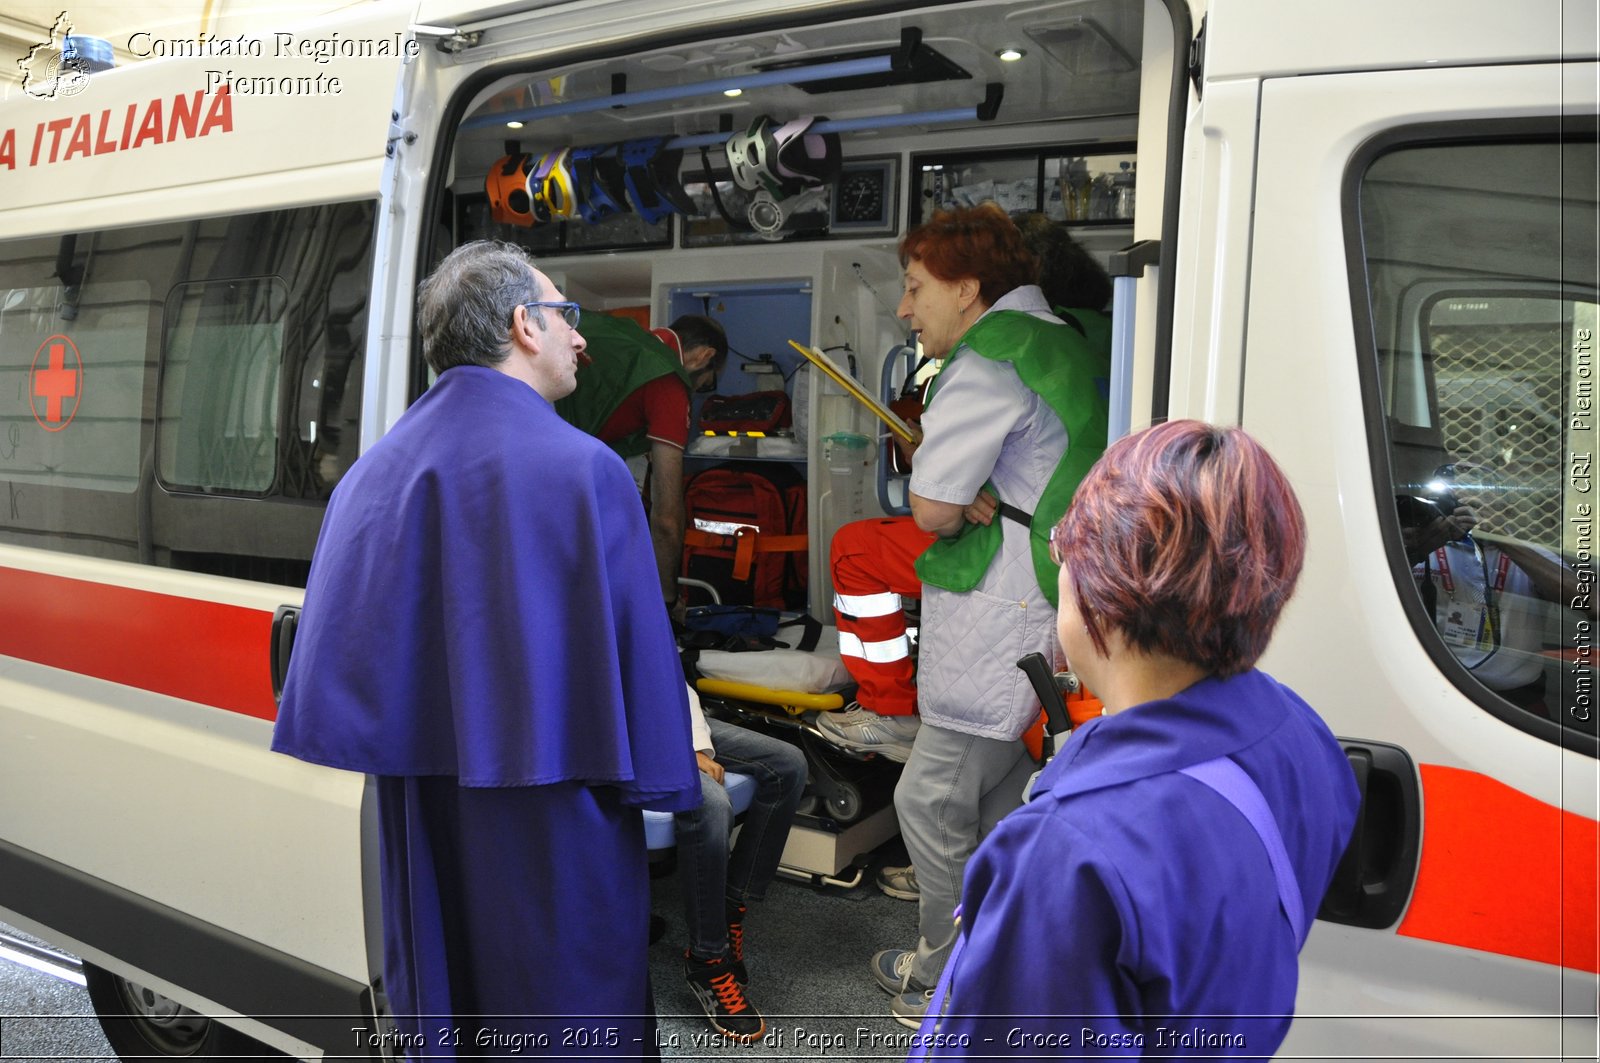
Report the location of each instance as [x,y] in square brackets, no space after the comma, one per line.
[1375,875]
[284,622]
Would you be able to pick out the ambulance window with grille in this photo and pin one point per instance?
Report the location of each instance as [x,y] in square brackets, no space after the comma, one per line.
[1480,275]
[1500,387]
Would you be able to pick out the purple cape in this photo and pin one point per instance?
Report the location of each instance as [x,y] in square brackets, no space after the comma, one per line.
[483,604]
[483,630]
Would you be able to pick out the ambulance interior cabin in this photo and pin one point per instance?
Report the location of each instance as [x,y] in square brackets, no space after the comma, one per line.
[764,178]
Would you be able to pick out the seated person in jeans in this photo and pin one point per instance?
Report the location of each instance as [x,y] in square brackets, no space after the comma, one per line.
[718,884]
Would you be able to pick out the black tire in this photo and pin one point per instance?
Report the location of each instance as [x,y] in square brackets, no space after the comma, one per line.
[844,804]
[141,1024]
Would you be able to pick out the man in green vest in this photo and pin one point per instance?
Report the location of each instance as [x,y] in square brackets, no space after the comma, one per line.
[634,395]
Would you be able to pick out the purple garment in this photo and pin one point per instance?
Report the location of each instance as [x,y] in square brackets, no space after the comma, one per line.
[483,604]
[1129,910]
[525,916]
[483,630]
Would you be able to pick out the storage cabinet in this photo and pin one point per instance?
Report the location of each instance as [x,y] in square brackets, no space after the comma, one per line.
[1092,184]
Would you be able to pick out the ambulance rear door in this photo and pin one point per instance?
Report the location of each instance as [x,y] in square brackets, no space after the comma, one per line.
[1420,326]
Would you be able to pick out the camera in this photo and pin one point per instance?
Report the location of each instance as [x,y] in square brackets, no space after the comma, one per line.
[1420,505]
[1425,503]
[1443,501]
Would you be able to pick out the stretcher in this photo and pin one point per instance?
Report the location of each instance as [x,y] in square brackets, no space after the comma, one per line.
[849,809]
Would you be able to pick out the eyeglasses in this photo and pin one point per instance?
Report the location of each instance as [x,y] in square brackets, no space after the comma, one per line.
[570,312]
[1055,547]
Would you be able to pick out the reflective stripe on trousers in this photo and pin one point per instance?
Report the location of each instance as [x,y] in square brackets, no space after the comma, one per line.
[872,568]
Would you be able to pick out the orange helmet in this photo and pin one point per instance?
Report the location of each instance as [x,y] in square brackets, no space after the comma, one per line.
[507,188]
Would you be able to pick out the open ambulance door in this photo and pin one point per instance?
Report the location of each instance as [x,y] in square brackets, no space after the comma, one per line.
[1420,323]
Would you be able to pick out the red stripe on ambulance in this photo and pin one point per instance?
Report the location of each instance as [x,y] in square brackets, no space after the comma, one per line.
[1503,872]
[186,648]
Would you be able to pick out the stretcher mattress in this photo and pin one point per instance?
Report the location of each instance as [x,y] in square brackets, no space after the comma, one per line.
[817,672]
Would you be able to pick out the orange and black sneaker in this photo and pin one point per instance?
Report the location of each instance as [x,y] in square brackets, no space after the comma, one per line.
[722,998]
[736,942]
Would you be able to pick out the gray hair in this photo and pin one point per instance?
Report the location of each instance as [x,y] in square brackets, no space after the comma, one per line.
[465,306]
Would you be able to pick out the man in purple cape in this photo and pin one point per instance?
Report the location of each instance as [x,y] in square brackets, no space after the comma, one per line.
[483,632]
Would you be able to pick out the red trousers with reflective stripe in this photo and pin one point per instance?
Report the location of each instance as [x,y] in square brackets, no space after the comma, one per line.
[875,558]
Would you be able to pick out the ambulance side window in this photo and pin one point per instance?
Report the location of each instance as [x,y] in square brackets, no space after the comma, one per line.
[184,394]
[221,364]
[1480,272]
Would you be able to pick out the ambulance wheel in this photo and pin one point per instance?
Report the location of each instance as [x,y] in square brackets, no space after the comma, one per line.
[140,1023]
[844,804]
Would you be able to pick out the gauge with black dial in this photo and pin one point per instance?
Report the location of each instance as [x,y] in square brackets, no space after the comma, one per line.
[864,197]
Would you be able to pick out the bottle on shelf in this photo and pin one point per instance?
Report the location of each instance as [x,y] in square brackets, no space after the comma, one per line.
[1102,198]
[849,456]
[1077,192]
[1123,192]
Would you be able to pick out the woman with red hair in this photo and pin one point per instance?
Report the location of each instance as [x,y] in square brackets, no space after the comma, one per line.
[1159,883]
[1014,419]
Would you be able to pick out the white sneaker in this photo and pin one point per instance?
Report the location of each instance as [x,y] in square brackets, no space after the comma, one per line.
[865,731]
[900,883]
[909,1008]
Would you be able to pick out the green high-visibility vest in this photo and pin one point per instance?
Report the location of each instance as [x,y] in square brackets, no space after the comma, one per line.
[623,358]
[1071,372]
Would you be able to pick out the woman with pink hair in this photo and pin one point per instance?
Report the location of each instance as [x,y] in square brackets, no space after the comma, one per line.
[1153,895]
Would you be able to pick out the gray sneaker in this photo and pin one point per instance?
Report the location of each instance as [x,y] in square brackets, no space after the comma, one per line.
[865,731]
[900,883]
[892,967]
[909,1007]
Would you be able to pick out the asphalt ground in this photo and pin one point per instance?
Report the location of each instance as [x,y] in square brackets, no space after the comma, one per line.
[44,1010]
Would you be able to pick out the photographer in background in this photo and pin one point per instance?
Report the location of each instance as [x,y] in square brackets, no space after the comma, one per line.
[1494,603]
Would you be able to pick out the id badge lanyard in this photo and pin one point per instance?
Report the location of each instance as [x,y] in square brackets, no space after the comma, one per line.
[1485,634]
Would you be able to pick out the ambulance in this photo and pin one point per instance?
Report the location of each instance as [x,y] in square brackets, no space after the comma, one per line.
[1333,224]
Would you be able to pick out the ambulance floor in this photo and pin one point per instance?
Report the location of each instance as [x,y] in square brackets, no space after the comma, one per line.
[807,949]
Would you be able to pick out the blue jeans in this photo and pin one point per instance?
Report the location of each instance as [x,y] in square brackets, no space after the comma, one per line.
[712,877]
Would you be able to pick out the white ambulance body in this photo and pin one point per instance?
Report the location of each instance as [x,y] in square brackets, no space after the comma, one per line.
[1348,218]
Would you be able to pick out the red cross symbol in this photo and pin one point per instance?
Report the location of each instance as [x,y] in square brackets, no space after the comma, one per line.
[55,383]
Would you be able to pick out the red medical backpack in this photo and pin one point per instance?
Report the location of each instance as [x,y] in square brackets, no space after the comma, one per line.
[746,533]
